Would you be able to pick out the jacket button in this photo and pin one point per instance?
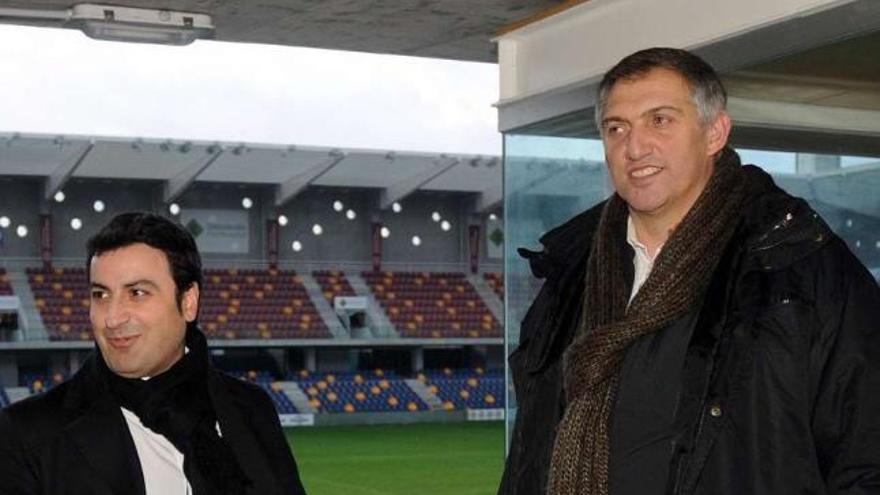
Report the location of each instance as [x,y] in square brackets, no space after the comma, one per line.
[715,411]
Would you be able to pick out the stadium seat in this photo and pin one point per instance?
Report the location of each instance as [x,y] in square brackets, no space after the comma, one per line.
[433,304]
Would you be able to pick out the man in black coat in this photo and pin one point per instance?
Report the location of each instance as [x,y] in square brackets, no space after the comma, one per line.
[699,332]
[146,414]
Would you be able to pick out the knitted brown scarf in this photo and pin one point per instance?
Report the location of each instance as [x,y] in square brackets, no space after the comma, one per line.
[580,462]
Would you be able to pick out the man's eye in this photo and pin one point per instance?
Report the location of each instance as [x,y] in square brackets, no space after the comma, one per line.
[99,294]
[613,129]
[661,120]
[138,292]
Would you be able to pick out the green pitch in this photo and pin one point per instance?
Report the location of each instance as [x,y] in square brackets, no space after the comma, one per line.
[421,459]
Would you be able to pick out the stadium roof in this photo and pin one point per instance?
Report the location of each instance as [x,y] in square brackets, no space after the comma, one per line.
[289,168]
[452,29]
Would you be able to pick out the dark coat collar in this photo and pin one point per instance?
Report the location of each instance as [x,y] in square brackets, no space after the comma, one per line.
[98,429]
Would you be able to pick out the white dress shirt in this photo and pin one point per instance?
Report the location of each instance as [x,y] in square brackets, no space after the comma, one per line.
[642,261]
[161,462]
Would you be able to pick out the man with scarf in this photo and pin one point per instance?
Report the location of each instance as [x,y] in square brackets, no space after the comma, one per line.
[147,413]
[700,331]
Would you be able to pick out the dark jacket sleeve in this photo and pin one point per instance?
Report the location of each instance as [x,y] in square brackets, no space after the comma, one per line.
[17,475]
[846,413]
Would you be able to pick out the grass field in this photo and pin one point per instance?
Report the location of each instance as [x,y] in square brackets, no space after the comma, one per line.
[421,459]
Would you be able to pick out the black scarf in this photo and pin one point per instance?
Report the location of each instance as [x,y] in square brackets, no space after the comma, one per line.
[176,405]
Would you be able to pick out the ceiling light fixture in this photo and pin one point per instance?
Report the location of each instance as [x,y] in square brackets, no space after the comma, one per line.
[296,246]
[385,232]
[246,203]
[416,241]
[445,225]
[338,206]
[396,208]
[59,197]
[115,23]
[98,205]
[317,229]
[5,222]
[436,216]
[350,214]
[282,220]
[174,208]
[76,223]
[21,231]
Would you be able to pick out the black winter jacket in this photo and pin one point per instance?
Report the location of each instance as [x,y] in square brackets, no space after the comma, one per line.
[781,380]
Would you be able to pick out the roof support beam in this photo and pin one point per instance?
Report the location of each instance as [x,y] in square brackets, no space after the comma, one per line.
[288,189]
[402,189]
[175,186]
[489,199]
[58,178]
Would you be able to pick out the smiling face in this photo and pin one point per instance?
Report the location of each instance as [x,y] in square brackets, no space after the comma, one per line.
[135,316]
[659,153]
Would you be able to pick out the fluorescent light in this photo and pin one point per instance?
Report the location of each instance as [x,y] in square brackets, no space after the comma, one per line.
[166,27]
[114,23]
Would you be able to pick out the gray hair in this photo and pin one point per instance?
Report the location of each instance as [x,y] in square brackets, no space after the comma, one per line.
[707,91]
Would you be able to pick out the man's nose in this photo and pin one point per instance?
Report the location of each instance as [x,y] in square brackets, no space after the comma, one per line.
[117,314]
[637,145]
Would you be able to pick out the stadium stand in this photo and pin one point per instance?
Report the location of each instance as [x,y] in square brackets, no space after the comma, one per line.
[267,382]
[266,304]
[358,392]
[235,304]
[496,282]
[62,297]
[432,304]
[5,287]
[333,283]
[465,389]
[40,382]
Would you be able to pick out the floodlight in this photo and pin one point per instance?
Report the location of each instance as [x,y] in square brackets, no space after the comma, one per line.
[5,222]
[338,206]
[416,240]
[282,220]
[493,217]
[436,216]
[98,205]
[396,208]
[76,223]
[59,197]
[174,208]
[21,231]
[385,232]
[246,203]
[317,229]
[350,214]
[445,225]
[296,246]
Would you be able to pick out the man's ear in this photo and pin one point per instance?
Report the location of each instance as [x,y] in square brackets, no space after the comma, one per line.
[717,133]
[190,302]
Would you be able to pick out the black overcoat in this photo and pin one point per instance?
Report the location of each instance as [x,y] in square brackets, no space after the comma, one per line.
[73,440]
[781,381]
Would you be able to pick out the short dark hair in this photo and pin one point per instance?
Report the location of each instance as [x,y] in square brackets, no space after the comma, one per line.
[707,90]
[157,232]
